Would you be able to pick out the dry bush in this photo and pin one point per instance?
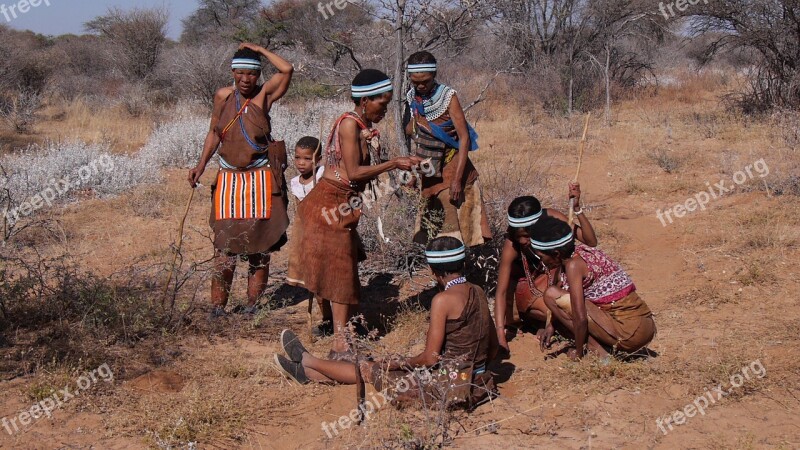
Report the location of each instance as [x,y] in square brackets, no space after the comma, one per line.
[397,217]
[787,124]
[707,123]
[216,20]
[66,170]
[25,61]
[138,35]
[19,110]
[177,143]
[195,72]
[201,416]
[136,99]
[665,159]
[86,70]
[760,29]
[62,313]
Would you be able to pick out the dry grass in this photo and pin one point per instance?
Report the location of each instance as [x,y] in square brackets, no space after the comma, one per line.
[92,123]
[730,300]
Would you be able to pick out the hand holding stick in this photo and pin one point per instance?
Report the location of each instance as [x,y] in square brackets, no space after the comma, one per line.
[578,172]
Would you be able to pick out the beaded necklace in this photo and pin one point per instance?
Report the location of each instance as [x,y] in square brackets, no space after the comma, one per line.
[455,282]
[433,105]
[551,275]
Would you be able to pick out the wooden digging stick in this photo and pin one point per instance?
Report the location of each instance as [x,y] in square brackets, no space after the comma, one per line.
[578,172]
[314,184]
[177,248]
[317,151]
[361,391]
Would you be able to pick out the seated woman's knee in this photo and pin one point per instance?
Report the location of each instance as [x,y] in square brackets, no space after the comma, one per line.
[552,293]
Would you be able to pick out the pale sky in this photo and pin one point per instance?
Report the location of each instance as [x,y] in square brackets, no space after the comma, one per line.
[68,16]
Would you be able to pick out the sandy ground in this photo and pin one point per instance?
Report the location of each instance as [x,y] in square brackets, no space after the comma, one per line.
[721,282]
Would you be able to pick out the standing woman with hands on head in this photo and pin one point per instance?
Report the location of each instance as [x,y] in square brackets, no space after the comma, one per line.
[247,227]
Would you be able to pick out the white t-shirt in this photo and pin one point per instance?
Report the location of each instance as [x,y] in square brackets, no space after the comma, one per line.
[300,190]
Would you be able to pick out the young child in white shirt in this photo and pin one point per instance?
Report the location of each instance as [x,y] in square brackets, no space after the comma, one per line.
[302,184]
[305,163]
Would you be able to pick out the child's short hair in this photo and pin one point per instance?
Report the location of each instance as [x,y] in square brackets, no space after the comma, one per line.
[443,244]
[309,142]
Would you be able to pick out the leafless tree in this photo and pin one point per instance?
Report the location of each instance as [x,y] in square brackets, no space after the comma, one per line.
[769,28]
[19,110]
[201,69]
[138,35]
[614,21]
[443,26]
[221,20]
[534,28]
[578,39]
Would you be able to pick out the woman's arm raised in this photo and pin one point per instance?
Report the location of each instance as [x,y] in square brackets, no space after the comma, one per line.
[277,86]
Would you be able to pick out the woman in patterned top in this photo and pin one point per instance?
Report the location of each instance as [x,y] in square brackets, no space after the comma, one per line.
[594,300]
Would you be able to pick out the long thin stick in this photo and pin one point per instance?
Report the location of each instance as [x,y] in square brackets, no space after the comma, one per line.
[314,184]
[311,299]
[578,171]
[361,390]
[178,247]
[317,153]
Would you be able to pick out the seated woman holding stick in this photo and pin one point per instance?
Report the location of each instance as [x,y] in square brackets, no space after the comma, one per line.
[594,301]
[522,278]
[460,343]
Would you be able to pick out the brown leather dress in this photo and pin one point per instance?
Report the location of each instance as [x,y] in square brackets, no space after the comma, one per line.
[462,376]
[251,236]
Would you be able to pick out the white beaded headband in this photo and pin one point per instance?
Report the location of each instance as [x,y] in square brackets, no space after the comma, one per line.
[522,222]
[538,245]
[246,63]
[373,89]
[446,256]
[422,68]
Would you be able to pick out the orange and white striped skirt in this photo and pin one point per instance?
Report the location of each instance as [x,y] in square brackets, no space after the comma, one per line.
[243,195]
